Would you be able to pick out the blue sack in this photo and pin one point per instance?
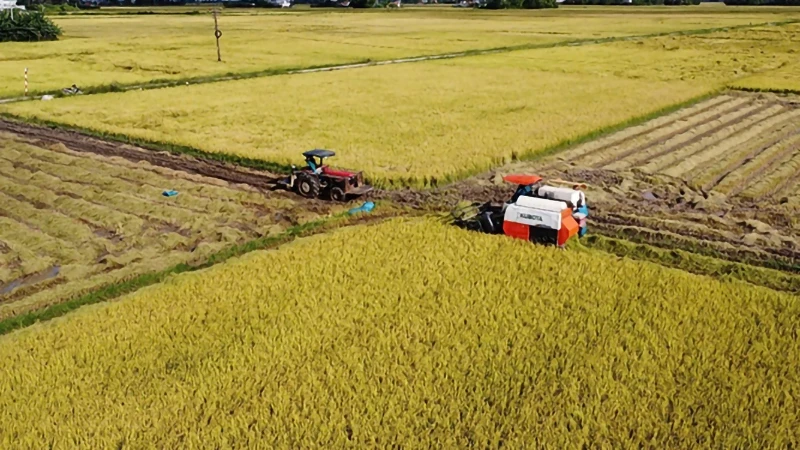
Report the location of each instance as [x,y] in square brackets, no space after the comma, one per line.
[169,193]
[365,208]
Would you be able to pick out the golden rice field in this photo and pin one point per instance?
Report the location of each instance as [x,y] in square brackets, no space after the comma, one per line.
[71,222]
[422,123]
[785,78]
[417,335]
[724,57]
[98,50]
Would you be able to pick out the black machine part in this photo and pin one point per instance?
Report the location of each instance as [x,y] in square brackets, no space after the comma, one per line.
[337,194]
[319,153]
[488,219]
[307,185]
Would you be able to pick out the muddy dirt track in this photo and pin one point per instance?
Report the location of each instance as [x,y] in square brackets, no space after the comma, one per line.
[80,142]
[718,177]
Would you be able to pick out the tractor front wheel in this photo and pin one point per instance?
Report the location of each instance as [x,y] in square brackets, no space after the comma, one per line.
[307,186]
[338,195]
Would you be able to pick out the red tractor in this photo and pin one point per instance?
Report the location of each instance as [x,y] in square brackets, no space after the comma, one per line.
[318,180]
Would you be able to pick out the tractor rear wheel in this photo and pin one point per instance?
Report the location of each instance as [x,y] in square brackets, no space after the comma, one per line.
[338,195]
[307,185]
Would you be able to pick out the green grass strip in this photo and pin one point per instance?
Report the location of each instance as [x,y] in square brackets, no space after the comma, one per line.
[115,290]
[696,246]
[766,90]
[167,83]
[695,263]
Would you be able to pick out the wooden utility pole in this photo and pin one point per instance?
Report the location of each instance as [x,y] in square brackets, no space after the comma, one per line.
[217,34]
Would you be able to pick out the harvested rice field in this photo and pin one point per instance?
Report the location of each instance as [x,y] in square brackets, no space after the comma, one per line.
[718,177]
[73,221]
[743,147]
[209,317]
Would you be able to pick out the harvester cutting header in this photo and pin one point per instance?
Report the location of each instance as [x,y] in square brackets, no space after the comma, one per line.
[536,212]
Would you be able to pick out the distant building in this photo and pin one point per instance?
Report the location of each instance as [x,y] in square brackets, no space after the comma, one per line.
[9,4]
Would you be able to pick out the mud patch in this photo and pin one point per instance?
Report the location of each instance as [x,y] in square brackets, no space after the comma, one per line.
[29,280]
[49,137]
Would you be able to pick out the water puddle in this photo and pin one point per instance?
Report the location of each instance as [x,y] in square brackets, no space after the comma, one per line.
[30,280]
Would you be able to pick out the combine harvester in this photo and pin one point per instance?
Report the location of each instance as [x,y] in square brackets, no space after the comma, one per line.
[536,212]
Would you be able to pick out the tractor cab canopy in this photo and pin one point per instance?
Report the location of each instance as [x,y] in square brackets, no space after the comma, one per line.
[319,153]
[316,165]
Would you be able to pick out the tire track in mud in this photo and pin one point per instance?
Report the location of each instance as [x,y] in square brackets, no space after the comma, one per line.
[747,160]
[681,116]
[783,187]
[729,107]
[622,161]
[82,143]
[748,255]
[662,165]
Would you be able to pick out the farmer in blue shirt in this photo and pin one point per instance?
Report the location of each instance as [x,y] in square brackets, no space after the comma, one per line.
[312,165]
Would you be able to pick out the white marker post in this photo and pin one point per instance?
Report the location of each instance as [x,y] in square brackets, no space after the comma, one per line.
[26,82]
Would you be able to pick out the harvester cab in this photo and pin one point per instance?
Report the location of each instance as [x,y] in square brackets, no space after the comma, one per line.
[536,212]
[316,179]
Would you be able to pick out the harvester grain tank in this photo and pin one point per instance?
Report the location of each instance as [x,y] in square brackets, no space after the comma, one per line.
[536,212]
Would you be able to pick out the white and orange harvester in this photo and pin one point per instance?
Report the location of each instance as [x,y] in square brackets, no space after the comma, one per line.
[536,212]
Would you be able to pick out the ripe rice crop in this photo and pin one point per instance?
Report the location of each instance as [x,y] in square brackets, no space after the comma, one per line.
[407,124]
[417,335]
[72,222]
[786,77]
[101,50]
[424,123]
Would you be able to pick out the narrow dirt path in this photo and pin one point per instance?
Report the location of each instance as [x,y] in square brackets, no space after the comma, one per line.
[82,143]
